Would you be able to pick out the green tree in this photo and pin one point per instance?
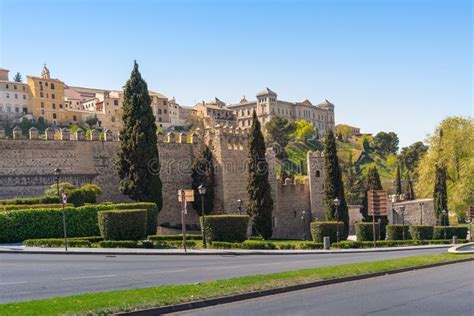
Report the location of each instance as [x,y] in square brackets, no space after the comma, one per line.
[440,194]
[63,187]
[410,190]
[345,132]
[17,77]
[453,150]
[203,173]
[304,130]
[411,155]
[92,120]
[260,204]
[386,143]
[278,132]
[333,185]
[138,161]
[353,183]
[398,181]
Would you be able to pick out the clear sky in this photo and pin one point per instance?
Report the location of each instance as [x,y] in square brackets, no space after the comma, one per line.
[397,66]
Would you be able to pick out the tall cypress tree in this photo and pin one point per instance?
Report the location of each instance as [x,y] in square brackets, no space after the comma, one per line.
[410,191]
[440,194]
[398,181]
[333,186]
[138,162]
[203,173]
[260,204]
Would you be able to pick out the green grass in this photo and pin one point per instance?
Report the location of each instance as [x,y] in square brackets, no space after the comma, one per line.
[127,300]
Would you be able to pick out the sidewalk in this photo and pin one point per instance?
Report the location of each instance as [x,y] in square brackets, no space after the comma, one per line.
[133,251]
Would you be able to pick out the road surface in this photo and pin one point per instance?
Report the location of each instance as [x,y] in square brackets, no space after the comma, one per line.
[446,290]
[34,276]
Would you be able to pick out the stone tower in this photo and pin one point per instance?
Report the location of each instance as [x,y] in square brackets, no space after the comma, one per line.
[315,163]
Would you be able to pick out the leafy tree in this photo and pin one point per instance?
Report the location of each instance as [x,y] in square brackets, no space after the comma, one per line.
[304,130]
[411,155]
[410,190]
[279,131]
[333,186]
[440,194]
[450,146]
[203,173]
[353,183]
[92,120]
[138,161]
[63,187]
[345,132]
[367,142]
[17,77]
[386,143]
[398,181]
[260,204]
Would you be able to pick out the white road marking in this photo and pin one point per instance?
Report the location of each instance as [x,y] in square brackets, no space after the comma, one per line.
[89,277]
[9,283]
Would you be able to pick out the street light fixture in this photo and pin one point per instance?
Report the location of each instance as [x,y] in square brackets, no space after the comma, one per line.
[402,212]
[303,217]
[239,206]
[445,213]
[336,206]
[202,192]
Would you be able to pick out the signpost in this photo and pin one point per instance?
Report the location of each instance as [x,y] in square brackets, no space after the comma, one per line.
[64,202]
[377,206]
[471,218]
[184,196]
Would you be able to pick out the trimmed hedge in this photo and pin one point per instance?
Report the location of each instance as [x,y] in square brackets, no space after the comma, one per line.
[14,207]
[57,243]
[151,208]
[319,230]
[395,232]
[122,224]
[118,244]
[392,243]
[266,245]
[421,232]
[364,231]
[227,228]
[29,201]
[174,237]
[451,231]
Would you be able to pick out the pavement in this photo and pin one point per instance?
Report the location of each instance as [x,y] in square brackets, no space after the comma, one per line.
[446,290]
[34,276]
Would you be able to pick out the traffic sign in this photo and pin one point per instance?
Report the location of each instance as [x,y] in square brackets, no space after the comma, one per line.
[64,198]
[377,203]
[188,195]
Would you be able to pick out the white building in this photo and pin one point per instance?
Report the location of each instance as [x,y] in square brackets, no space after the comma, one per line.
[14,98]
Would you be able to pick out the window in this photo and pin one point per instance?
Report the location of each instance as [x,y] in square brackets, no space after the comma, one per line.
[164,111]
[14,86]
[25,110]
[41,94]
[17,109]
[24,88]
[54,115]
[9,109]
[8,95]
[60,105]
[274,221]
[42,105]
[116,102]
[113,119]
[24,97]
[318,174]
[54,106]
[6,86]
[159,111]
[164,102]
[53,96]
[52,86]
[160,119]
[16,96]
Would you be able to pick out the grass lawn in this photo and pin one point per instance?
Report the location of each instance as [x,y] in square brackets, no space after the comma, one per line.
[127,300]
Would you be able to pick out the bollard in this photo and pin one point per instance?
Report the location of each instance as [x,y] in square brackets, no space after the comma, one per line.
[326,243]
[455,240]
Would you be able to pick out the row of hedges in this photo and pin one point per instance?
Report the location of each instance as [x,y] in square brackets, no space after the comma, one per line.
[425,232]
[226,228]
[30,201]
[174,237]
[13,207]
[265,245]
[348,244]
[20,225]
[319,230]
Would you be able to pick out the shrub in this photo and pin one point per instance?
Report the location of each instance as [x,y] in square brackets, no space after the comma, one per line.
[253,244]
[13,207]
[230,228]
[146,244]
[174,237]
[56,243]
[90,193]
[319,230]
[122,224]
[118,244]
[310,245]
[36,200]
[421,232]
[152,212]
[179,244]
[225,245]
[286,246]
[364,231]
[63,187]
[391,243]
[459,231]
[76,197]
[395,232]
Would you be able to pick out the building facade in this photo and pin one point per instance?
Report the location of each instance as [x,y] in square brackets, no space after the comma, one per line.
[215,112]
[14,98]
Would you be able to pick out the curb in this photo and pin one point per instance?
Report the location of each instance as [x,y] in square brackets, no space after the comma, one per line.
[240,297]
[223,252]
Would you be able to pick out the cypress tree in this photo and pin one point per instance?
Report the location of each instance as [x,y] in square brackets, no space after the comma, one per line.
[138,162]
[398,182]
[333,185]
[260,204]
[440,194]
[410,191]
[203,173]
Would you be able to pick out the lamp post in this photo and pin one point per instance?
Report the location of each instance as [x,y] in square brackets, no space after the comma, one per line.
[445,213]
[421,204]
[380,228]
[303,217]
[336,206]
[239,206]
[202,192]
[402,212]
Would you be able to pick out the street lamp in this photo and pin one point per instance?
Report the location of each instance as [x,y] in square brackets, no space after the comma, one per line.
[421,204]
[239,206]
[202,192]
[402,212]
[303,217]
[445,213]
[336,206]
[380,228]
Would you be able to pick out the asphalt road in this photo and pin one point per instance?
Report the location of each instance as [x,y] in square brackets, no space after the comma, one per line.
[446,290]
[34,276]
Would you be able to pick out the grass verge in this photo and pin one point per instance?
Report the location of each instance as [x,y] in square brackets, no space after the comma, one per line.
[127,300]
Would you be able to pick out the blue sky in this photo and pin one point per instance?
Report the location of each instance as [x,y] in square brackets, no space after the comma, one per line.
[397,66]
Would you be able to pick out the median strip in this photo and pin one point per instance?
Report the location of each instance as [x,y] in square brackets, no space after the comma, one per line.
[221,291]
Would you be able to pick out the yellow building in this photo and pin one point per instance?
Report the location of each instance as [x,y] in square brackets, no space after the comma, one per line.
[47,100]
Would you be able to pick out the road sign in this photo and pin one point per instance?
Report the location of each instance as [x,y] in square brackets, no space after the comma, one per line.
[64,198]
[377,203]
[188,195]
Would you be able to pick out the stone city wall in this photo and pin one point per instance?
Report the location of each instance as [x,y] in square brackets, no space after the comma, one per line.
[413,213]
